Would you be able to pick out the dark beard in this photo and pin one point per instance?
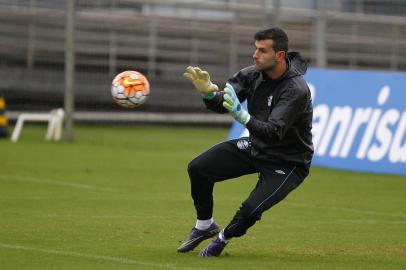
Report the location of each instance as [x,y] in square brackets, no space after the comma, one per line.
[266,69]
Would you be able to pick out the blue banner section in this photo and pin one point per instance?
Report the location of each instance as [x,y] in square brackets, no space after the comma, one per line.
[359,120]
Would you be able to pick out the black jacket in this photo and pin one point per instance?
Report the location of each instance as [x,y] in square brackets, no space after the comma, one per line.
[281,112]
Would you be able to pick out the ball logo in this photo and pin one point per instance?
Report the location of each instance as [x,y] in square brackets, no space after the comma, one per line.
[127,82]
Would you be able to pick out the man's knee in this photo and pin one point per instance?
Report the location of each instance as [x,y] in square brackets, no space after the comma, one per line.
[198,170]
[242,221]
[194,167]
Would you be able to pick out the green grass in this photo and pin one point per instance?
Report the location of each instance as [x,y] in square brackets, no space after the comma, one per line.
[118,198]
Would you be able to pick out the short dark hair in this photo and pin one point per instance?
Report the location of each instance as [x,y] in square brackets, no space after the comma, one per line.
[279,37]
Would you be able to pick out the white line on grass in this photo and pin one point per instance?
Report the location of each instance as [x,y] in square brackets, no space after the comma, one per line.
[54,182]
[372,221]
[366,212]
[140,216]
[350,222]
[369,212]
[96,257]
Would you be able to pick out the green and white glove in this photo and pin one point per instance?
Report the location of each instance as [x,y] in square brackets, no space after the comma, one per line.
[233,105]
[201,81]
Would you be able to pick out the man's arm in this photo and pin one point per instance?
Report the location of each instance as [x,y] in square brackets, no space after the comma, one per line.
[215,104]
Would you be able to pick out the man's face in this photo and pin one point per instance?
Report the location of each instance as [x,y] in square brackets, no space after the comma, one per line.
[265,58]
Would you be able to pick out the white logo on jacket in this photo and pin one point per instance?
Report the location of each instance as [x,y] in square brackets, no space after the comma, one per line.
[279,171]
[270,101]
[243,144]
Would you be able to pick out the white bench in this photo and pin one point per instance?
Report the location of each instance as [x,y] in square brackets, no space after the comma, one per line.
[54,118]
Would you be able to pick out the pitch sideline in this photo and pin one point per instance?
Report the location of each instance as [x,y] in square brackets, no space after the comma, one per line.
[95,257]
[54,182]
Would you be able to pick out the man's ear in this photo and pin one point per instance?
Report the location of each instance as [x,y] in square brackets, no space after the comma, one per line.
[280,55]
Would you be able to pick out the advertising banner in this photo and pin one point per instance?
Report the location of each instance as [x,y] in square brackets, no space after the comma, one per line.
[359,120]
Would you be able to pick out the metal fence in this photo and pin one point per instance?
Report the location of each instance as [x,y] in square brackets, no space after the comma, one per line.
[161,38]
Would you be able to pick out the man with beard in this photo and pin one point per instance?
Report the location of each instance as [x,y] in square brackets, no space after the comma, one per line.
[279,147]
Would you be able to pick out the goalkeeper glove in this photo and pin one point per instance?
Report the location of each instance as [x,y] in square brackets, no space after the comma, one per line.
[201,81]
[233,105]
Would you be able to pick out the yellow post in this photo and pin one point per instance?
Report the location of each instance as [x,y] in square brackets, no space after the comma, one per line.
[3,118]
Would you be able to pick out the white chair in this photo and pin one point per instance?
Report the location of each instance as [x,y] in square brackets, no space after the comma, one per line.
[54,118]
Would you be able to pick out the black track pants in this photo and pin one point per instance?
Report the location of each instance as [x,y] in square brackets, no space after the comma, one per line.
[232,159]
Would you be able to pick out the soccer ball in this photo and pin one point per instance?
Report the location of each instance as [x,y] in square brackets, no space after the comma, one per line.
[130,89]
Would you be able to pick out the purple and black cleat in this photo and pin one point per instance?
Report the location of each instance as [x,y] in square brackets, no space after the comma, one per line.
[197,236]
[214,249]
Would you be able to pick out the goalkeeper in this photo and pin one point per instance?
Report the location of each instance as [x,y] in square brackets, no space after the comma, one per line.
[279,147]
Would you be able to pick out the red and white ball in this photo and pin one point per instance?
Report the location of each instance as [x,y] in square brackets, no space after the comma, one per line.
[130,89]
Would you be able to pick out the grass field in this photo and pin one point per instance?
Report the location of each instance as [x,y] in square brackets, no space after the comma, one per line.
[118,198]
